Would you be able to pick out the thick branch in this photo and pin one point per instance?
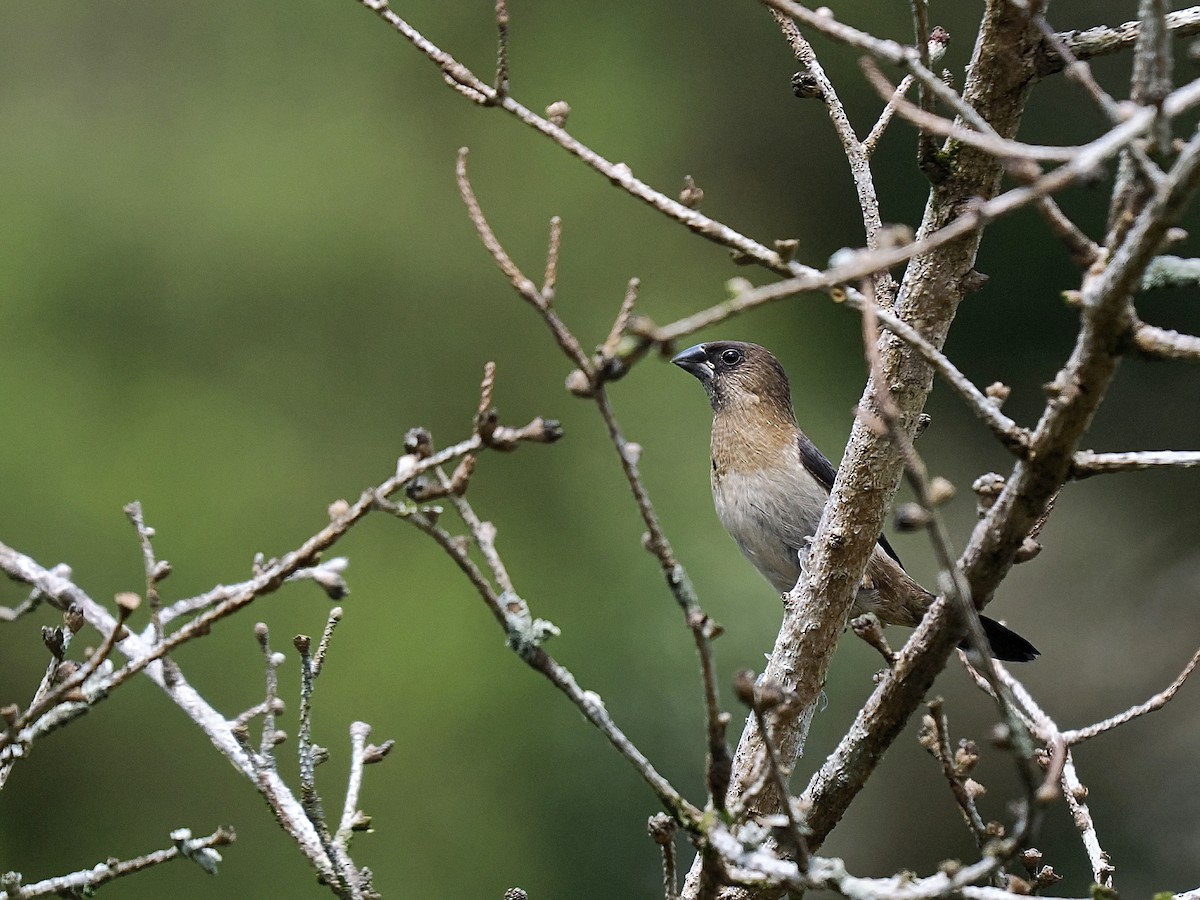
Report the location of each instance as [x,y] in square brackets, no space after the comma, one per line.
[1000,78]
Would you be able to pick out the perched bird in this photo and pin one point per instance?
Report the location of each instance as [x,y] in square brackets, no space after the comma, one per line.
[770,484]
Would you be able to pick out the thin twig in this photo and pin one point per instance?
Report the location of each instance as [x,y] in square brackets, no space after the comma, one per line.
[516,277]
[459,76]
[1158,701]
[155,570]
[1088,462]
[611,343]
[871,141]
[852,148]
[703,629]
[271,705]
[352,819]
[202,851]
[952,581]
[936,740]
[1164,343]
[550,279]
[501,87]
[310,755]
[927,160]
[761,697]
[853,267]
[594,373]
[525,636]
[1075,793]
[662,829]
[1010,434]
[1103,40]
[318,658]
[31,602]
[1072,789]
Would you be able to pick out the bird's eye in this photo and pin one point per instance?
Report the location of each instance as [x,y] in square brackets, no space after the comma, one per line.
[731,357]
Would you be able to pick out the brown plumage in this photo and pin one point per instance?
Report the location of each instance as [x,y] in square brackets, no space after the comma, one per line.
[770,485]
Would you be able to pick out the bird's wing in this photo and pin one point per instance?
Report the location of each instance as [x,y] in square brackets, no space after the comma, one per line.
[820,468]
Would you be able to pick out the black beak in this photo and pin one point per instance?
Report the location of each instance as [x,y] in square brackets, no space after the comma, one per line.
[695,360]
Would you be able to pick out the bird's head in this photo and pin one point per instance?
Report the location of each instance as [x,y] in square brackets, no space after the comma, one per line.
[738,377]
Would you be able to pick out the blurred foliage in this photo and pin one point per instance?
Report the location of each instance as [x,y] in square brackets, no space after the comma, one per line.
[234,269]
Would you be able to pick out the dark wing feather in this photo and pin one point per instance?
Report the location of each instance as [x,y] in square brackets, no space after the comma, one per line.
[814,460]
[820,468]
[887,548]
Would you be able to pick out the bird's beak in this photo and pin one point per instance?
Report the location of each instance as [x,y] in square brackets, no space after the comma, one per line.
[695,360]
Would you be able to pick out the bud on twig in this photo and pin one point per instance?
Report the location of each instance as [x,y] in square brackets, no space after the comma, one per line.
[691,196]
[557,112]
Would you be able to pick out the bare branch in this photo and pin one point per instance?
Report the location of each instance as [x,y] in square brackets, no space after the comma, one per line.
[91,682]
[703,629]
[860,166]
[1103,40]
[619,174]
[1152,66]
[550,279]
[202,851]
[525,636]
[501,87]
[1171,272]
[970,217]
[763,697]
[588,381]
[31,602]
[871,141]
[662,829]
[609,348]
[1105,320]
[352,818]
[1158,701]
[516,277]
[1072,789]
[155,570]
[272,705]
[1165,343]
[984,138]
[1088,462]
[935,738]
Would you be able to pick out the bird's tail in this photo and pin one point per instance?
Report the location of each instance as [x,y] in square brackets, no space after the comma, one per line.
[1006,644]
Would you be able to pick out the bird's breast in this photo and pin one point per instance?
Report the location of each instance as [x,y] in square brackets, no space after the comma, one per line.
[770,512]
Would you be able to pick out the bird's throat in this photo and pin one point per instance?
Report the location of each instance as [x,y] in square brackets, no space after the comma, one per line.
[751,439]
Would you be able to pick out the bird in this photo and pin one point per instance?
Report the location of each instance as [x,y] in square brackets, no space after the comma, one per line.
[770,485]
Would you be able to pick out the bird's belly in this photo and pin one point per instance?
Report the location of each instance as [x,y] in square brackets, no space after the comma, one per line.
[770,517]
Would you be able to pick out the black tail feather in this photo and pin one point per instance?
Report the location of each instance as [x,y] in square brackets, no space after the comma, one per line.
[1006,644]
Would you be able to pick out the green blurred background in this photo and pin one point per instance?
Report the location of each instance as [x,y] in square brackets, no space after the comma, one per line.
[234,269]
